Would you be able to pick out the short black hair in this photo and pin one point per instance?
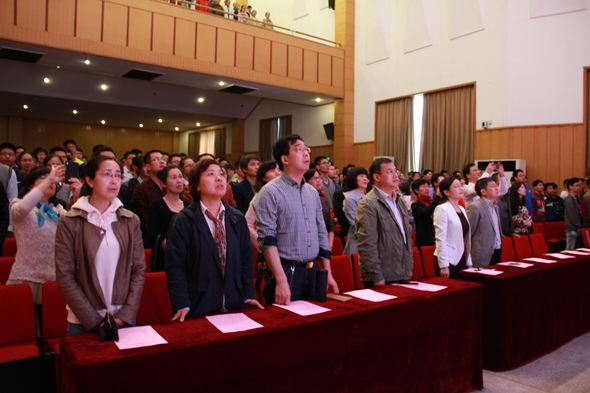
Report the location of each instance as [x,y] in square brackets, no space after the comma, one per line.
[246,160]
[467,170]
[29,180]
[552,185]
[572,181]
[435,177]
[52,151]
[8,145]
[201,156]
[127,154]
[426,172]
[516,172]
[49,157]
[352,176]
[536,182]
[80,150]
[417,183]
[229,167]
[376,166]
[69,141]
[482,184]
[195,176]
[136,152]
[146,158]
[318,159]
[165,154]
[445,185]
[138,162]
[444,171]
[262,170]
[101,150]
[175,155]
[282,147]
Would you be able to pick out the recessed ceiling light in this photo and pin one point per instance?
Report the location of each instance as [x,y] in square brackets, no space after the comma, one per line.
[86,61]
[57,66]
[46,80]
[75,112]
[103,122]
[140,125]
[198,124]
[26,106]
[104,87]
[176,128]
[318,99]
[160,120]
[221,83]
[201,100]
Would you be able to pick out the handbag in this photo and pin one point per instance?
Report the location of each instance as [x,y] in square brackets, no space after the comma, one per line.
[108,329]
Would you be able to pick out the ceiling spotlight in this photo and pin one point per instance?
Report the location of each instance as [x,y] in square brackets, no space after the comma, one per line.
[176,128]
[318,99]
[141,125]
[58,67]
[198,124]
[159,120]
[103,122]
[46,80]
[221,83]
[86,61]
[75,112]
[201,100]
[26,106]
[104,87]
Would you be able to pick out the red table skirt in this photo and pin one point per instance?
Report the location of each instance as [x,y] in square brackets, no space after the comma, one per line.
[419,342]
[530,312]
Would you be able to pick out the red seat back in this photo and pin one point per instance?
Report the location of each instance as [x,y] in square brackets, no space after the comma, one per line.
[18,318]
[428,260]
[552,230]
[357,273]
[414,239]
[342,273]
[5,268]
[337,248]
[539,228]
[155,304]
[508,254]
[9,247]
[586,236]
[148,259]
[522,248]
[417,270]
[560,229]
[538,244]
[55,315]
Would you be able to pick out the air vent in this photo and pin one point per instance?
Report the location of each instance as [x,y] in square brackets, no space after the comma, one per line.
[20,55]
[142,75]
[237,89]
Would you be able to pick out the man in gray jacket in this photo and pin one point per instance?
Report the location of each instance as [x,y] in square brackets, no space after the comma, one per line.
[574,217]
[383,229]
[486,228]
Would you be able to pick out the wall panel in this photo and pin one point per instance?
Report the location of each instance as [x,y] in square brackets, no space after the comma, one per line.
[363,155]
[262,55]
[61,16]
[163,34]
[114,30]
[30,14]
[310,66]
[279,59]
[7,12]
[326,150]
[226,44]
[186,33]
[244,51]
[295,62]
[337,72]
[324,69]
[140,27]
[89,20]
[205,43]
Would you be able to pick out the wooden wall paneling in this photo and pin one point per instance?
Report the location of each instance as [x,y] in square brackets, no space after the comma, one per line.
[295,62]
[262,55]
[566,148]
[30,14]
[7,12]
[244,51]
[226,47]
[205,43]
[363,155]
[140,27]
[337,72]
[554,157]
[580,150]
[541,158]
[61,16]
[504,143]
[326,150]
[324,69]
[89,20]
[163,34]
[310,66]
[114,29]
[186,33]
[279,59]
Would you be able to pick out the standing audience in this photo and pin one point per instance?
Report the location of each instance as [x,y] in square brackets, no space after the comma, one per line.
[574,214]
[357,181]
[422,210]
[521,219]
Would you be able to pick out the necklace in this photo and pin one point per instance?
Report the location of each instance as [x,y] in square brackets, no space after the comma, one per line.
[176,205]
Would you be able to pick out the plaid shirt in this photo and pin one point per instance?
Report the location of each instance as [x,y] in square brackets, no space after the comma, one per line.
[289,216]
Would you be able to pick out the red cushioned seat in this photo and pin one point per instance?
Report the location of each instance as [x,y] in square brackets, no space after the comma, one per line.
[148,259]
[508,253]
[538,244]
[155,306]
[5,268]
[55,315]
[428,260]
[522,248]
[539,228]
[413,238]
[561,230]
[9,247]
[417,270]
[357,273]
[342,273]
[586,236]
[18,351]
[337,248]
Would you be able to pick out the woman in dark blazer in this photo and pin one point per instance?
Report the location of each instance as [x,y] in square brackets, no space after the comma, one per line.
[422,211]
[209,255]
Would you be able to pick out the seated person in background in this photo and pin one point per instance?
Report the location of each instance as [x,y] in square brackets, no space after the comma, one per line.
[521,221]
[486,229]
[150,189]
[383,229]
[553,203]
[538,201]
[99,255]
[160,213]
[243,191]
[205,276]
[422,211]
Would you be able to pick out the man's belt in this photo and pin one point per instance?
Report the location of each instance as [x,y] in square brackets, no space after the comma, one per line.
[305,264]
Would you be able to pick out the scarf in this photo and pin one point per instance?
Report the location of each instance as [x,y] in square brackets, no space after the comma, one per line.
[425,200]
[46,209]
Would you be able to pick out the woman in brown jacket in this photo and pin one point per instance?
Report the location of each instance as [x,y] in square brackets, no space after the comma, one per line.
[98,241]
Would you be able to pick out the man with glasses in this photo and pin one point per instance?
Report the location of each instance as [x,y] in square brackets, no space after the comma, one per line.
[8,157]
[150,189]
[291,229]
[323,165]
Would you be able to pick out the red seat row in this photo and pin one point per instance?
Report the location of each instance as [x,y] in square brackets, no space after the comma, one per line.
[553,232]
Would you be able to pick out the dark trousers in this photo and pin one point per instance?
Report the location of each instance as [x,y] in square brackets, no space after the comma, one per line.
[301,282]
[453,270]
[496,257]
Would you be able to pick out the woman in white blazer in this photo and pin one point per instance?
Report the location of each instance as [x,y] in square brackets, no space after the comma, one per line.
[452,233]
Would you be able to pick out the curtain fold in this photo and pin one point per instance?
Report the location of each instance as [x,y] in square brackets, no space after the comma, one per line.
[447,123]
[395,131]
[219,142]
[272,130]
[194,142]
[207,142]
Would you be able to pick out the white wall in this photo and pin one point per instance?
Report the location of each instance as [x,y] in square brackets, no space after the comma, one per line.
[183,137]
[527,70]
[307,121]
[318,22]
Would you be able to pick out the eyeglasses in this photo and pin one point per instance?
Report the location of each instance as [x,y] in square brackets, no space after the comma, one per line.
[158,159]
[109,175]
[7,154]
[301,149]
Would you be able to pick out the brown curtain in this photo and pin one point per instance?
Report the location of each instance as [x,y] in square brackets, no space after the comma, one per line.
[272,130]
[448,126]
[194,143]
[395,131]
[219,142]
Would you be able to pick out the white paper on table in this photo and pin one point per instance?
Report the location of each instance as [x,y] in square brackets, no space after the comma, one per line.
[422,286]
[576,252]
[303,308]
[516,264]
[370,295]
[231,323]
[489,272]
[559,256]
[584,248]
[541,260]
[138,336]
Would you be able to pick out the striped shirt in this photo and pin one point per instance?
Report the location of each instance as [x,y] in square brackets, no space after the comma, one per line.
[289,216]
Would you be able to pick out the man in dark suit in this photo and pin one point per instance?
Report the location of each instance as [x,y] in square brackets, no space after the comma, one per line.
[243,191]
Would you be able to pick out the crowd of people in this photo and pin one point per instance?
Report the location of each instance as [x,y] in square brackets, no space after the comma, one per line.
[241,13]
[205,217]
